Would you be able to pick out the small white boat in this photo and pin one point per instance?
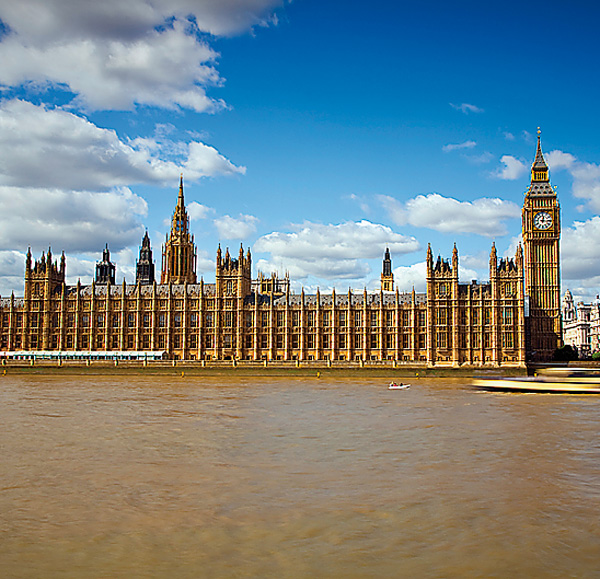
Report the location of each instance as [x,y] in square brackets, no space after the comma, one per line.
[394,386]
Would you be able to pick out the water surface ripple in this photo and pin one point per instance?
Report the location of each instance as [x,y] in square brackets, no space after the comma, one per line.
[193,477]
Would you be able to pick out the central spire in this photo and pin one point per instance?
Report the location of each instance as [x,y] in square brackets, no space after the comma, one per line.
[180,197]
[179,251]
[180,222]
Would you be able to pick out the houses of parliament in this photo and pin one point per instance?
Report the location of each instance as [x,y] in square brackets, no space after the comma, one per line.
[513,318]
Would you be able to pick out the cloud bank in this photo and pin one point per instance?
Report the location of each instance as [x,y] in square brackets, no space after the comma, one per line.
[116,55]
[44,147]
[331,251]
[485,216]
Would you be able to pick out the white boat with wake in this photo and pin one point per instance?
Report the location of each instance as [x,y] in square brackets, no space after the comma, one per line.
[548,380]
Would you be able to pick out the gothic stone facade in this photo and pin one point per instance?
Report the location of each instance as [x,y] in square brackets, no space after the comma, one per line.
[581,325]
[240,318]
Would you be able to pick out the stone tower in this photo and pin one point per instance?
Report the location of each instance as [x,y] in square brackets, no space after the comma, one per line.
[145,265]
[105,269]
[44,285]
[179,251]
[45,277]
[387,277]
[541,247]
[233,276]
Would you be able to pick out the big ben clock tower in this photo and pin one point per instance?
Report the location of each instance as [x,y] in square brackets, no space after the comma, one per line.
[541,244]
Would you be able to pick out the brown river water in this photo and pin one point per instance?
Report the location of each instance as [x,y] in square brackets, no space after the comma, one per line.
[118,476]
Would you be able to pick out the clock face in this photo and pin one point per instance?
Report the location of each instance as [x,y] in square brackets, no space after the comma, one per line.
[542,220]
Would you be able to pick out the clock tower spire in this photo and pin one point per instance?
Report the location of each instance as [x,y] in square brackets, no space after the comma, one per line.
[541,244]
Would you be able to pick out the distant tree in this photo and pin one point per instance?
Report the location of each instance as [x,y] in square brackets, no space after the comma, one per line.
[567,353]
[596,356]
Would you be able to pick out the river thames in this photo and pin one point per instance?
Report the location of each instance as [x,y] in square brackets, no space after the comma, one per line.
[170,476]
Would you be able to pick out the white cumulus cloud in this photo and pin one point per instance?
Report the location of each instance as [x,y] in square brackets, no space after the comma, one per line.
[513,168]
[579,249]
[415,276]
[586,176]
[412,276]
[115,55]
[558,160]
[115,19]
[168,68]
[580,261]
[485,216]
[12,272]
[198,211]
[76,221]
[331,251]
[240,227]
[43,147]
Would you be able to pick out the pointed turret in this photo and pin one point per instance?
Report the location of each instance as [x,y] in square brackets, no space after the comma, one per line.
[249,262]
[387,277]
[493,257]
[145,265]
[387,262]
[429,259]
[519,257]
[105,269]
[455,259]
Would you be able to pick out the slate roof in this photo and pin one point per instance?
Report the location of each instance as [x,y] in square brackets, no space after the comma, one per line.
[541,188]
[539,161]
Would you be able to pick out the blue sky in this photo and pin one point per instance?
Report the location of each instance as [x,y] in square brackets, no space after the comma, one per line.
[316,133]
